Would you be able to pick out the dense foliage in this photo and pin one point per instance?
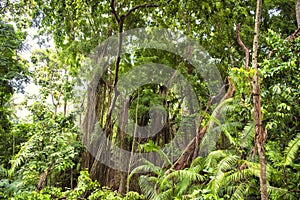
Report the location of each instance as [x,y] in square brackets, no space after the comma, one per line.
[44,154]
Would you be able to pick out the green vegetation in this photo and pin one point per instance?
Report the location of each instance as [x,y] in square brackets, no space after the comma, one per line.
[239,140]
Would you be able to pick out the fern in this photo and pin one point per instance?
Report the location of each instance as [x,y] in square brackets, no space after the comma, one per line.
[25,152]
[248,135]
[148,167]
[183,179]
[3,171]
[280,193]
[239,192]
[291,150]
[210,138]
[149,186]
[213,157]
[168,194]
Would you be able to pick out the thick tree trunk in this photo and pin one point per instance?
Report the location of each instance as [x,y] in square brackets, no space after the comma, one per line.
[98,170]
[259,135]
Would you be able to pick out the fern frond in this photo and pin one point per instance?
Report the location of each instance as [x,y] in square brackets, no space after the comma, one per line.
[148,167]
[164,156]
[239,192]
[228,163]
[223,128]
[209,141]
[24,152]
[3,172]
[213,157]
[148,186]
[168,194]
[199,161]
[183,179]
[291,150]
[279,193]
[247,135]
[222,107]
[215,184]
[235,177]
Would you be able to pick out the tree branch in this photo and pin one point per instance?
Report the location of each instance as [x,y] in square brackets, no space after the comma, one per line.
[113,10]
[140,6]
[245,49]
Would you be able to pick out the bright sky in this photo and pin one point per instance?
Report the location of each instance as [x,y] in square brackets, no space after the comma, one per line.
[31,88]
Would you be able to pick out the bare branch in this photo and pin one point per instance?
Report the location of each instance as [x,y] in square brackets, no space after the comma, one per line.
[113,10]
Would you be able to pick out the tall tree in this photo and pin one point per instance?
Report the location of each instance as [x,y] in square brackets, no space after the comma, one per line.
[13,73]
[259,133]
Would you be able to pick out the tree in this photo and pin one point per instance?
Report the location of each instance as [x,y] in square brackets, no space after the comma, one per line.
[13,73]
[231,167]
[259,133]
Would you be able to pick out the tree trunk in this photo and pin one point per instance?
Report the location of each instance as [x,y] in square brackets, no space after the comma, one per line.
[298,13]
[259,135]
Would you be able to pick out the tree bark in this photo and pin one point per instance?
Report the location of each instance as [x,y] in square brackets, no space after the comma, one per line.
[108,127]
[298,13]
[259,135]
